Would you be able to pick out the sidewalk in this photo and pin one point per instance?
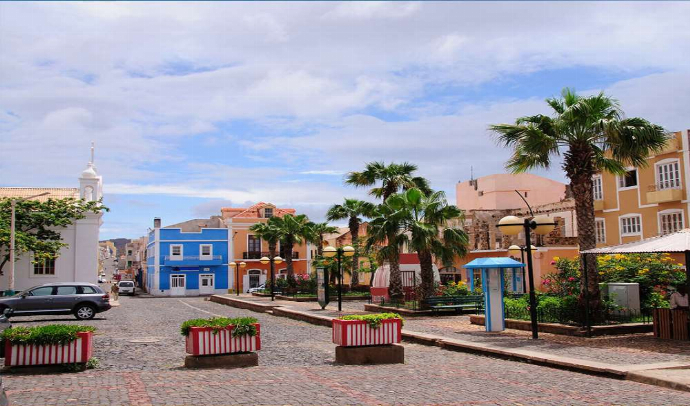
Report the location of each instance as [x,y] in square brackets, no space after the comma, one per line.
[639,357]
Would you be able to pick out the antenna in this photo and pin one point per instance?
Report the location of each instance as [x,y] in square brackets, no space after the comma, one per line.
[471,172]
[93,147]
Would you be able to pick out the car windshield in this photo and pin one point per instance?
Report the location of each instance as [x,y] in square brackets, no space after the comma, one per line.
[24,292]
[126,284]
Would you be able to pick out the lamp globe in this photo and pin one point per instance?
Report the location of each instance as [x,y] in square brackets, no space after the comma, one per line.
[511,225]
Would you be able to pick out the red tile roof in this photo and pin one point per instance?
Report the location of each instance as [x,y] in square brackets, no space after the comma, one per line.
[253,211]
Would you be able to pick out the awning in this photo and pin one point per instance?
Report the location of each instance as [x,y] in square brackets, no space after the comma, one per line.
[497,262]
[675,242]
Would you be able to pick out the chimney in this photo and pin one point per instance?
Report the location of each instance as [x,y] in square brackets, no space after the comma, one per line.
[157,222]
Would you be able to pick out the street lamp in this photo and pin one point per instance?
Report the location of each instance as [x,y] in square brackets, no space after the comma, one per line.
[330,252]
[237,268]
[511,225]
[13,204]
[513,251]
[276,260]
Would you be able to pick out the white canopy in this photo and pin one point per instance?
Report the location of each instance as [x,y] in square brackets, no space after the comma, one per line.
[675,242]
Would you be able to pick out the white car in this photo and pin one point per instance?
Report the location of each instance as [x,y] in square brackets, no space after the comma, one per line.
[126,287]
[101,279]
[257,289]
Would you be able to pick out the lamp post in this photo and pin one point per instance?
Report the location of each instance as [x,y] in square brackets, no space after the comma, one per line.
[513,251]
[237,268]
[13,205]
[272,261]
[330,252]
[511,225]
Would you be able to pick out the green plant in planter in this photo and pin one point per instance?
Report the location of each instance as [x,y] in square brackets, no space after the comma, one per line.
[242,325]
[45,335]
[374,320]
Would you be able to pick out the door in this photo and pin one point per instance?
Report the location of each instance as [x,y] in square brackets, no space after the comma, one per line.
[65,298]
[36,300]
[254,281]
[206,286]
[177,285]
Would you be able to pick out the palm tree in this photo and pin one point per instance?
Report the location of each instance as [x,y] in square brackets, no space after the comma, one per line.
[426,217]
[386,229]
[316,232]
[352,210]
[271,234]
[592,135]
[393,177]
[293,230]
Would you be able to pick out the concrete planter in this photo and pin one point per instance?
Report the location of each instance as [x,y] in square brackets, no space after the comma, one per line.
[358,333]
[209,341]
[78,351]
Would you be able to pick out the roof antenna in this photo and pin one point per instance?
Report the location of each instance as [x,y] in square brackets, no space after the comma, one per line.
[471,172]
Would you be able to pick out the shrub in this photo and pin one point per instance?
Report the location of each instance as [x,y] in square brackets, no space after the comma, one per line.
[242,325]
[453,289]
[45,335]
[374,320]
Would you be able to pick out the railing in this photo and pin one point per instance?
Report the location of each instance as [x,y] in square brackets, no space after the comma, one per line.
[259,255]
[669,184]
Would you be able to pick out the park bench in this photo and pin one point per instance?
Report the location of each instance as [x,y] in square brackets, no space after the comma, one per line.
[457,303]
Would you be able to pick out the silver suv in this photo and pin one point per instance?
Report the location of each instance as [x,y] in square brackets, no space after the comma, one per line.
[83,300]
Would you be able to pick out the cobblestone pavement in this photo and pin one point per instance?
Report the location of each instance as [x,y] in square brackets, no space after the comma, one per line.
[630,349]
[141,354]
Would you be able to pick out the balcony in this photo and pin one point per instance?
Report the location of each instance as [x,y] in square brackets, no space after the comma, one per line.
[664,192]
[259,255]
[192,260]
[598,205]
[671,146]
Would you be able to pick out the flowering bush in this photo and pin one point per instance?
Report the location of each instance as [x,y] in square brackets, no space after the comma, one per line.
[655,273]
[453,289]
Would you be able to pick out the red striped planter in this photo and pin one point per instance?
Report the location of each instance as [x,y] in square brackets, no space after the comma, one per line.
[77,351]
[358,333]
[210,341]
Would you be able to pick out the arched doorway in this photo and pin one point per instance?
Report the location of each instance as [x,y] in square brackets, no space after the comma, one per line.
[253,279]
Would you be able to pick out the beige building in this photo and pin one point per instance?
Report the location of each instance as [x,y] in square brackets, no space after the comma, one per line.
[647,201]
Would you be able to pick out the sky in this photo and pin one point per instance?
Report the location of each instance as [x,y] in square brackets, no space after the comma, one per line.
[198,106]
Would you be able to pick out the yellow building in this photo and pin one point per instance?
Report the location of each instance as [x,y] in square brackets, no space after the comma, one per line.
[647,201]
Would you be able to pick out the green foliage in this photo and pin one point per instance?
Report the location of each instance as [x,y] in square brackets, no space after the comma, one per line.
[374,320]
[453,289]
[242,325]
[564,282]
[45,335]
[37,225]
[93,363]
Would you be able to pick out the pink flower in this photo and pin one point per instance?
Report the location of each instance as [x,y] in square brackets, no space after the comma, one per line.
[571,279]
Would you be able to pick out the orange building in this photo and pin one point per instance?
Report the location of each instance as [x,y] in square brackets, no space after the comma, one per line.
[647,201]
[248,248]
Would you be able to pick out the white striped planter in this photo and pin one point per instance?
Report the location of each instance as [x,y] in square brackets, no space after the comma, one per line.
[209,341]
[77,351]
[358,333]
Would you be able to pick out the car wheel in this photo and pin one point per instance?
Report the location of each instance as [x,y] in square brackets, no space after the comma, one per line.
[85,312]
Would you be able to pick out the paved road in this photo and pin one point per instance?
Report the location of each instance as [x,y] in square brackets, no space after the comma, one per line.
[141,354]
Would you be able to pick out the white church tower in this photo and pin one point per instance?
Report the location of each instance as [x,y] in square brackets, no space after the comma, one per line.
[87,229]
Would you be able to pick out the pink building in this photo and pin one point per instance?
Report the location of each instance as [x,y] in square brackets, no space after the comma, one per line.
[497,192]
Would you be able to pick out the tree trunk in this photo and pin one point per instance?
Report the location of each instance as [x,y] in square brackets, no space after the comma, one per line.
[395,290]
[289,243]
[426,264]
[354,233]
[272,254]
[319,249]
[580,174]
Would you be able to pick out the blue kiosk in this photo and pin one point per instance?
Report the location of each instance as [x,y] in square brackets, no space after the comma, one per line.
[493,274]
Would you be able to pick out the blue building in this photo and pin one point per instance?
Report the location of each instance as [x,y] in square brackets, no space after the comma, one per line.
[188,259]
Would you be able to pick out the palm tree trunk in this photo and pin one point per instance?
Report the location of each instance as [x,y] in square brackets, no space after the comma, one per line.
[319,249]
[395,289]
[581,182]
[288,257]
[272,254]
[426,264]
[354,233]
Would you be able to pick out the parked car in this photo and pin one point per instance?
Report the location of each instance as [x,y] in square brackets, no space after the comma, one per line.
[83,300]
[258,288]
[126,287]
[102,279]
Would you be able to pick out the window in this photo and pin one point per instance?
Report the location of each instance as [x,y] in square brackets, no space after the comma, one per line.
[46,267]
[176,250]
[129,252]
[88,290]
[600,230]
[268,212]
[253,243]
[670,222]
[631,225]
[44,291]
[129,264]
[597,190]
[668,176]
[206,250]
[66,290]
[628,180]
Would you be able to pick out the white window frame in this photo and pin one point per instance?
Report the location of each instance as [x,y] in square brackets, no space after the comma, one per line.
[595,179]
[201,251]
[603,228]
[181,255]
[629,216]
[664,162]
[32,274]
[619,178]
[261,243]
[670,212]
[272,212]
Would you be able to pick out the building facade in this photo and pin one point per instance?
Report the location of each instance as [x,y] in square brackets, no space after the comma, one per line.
[78,261]
[187,263]
[646,201]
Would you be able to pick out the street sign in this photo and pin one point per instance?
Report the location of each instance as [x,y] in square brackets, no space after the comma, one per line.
[322,287]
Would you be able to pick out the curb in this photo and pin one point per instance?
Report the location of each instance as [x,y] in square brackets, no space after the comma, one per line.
[244,304]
